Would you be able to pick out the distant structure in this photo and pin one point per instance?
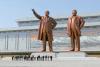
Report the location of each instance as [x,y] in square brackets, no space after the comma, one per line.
[22,38]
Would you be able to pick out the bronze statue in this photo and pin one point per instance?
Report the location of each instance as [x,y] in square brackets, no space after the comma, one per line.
[47,24]
[74,26]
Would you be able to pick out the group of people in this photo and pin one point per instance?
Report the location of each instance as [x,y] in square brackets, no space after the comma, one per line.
[47,24]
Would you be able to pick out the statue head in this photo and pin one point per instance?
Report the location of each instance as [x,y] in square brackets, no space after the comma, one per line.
[74,12]
[46,13]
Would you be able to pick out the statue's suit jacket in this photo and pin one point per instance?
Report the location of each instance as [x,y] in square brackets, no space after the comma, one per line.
[45,28]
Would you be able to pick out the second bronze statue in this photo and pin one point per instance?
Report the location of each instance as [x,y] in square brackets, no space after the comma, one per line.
[74,26]
[47,24]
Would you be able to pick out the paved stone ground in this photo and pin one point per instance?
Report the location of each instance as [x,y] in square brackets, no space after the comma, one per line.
[58,63]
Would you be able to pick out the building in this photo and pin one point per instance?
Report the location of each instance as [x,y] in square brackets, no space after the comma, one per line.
[24,37]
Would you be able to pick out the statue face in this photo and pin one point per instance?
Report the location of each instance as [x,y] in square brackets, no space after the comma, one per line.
[74,12]
[46,13]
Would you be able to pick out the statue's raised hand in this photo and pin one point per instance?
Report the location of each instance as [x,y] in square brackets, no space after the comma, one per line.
[33,10]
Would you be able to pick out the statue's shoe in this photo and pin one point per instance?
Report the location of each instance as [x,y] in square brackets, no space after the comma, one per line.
[72,50]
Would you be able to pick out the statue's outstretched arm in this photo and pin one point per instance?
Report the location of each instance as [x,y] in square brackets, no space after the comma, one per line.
[36,14]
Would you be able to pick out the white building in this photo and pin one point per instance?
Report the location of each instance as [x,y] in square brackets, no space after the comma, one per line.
[23,37]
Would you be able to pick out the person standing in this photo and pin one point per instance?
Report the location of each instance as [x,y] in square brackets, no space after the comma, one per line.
[74,26]
[47,24]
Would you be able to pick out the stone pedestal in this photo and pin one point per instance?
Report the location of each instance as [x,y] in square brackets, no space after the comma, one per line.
[61,55]
[71,54]
[43,54]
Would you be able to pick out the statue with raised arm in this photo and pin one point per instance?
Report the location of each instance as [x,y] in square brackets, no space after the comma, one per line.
[47,24]
[74,26]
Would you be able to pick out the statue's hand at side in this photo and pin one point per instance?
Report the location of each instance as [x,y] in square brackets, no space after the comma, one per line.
[68,34]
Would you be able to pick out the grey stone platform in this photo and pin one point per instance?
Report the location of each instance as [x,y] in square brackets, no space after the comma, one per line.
[64,63]
[60,55]
[61,59]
